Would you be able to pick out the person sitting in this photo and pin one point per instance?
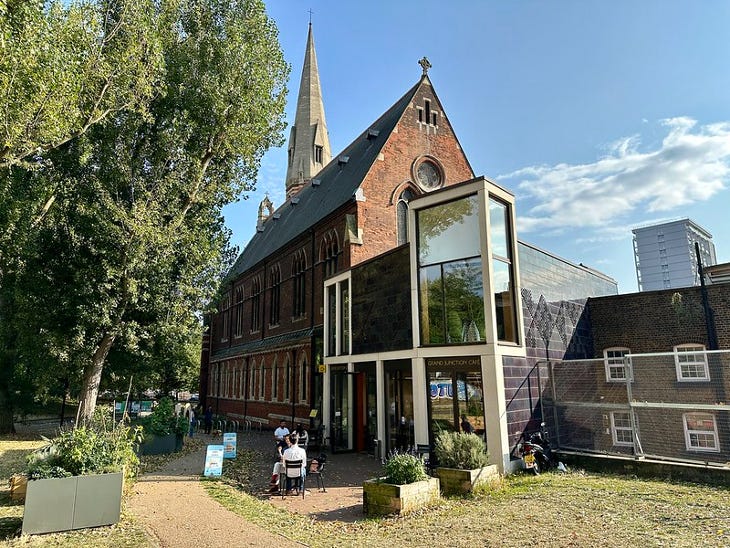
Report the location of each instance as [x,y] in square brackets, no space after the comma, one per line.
[302,435]
[279,434]
[466,426]
[295,453]
[278,467]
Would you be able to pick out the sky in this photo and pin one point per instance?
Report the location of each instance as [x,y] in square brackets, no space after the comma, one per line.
[598,116]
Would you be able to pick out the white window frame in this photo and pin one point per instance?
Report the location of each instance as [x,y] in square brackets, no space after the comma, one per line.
[615,363]
[688,433]
[687,350]
[338,281]
[616,429]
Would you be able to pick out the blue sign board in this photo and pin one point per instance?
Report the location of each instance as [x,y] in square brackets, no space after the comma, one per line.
[229,445]
[214,460]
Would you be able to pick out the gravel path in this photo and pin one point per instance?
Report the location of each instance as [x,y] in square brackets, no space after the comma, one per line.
[177,512]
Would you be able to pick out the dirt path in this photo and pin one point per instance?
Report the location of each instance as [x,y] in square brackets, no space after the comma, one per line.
[177,511]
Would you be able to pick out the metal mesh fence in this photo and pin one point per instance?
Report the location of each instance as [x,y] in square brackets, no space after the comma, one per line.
[671,406]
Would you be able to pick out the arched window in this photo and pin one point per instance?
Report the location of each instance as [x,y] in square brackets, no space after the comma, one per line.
[256,304]
[225,312]
[275,300]
[303,379]
[274,381]
[287,383]
[299,270]
[329,251]
[261,380]
[238,330]
[402,215]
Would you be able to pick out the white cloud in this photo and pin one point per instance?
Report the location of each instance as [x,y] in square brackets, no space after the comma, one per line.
[692,164]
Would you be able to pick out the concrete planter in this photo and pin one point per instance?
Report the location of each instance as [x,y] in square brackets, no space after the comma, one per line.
[63,504]
[380,499]
[455,481]
[161,445]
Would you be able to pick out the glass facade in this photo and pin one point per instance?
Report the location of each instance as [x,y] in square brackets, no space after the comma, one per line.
[450,273]
[502,280]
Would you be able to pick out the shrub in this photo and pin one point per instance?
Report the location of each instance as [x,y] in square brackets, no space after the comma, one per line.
[402,468]
[92,449]
[163,421]
[460,450]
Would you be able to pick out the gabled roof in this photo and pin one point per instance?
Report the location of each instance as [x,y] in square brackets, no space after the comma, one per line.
[331,188]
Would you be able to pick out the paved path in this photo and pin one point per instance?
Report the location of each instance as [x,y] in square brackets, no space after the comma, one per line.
[177,512]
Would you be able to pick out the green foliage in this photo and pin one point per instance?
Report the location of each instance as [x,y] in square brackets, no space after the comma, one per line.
[162,421]
[460,450]
[402,468]
[112,238]
[84,450]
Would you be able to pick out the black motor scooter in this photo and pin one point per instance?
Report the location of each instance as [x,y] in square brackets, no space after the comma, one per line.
[535,451]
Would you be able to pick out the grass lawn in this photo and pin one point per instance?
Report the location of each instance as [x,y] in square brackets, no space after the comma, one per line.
[13,450]
[575,509]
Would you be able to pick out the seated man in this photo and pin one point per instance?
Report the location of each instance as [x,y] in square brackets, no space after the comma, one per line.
[279,434]
[295,453]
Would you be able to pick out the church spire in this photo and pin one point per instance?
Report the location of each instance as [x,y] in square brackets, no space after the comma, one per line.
[309,143]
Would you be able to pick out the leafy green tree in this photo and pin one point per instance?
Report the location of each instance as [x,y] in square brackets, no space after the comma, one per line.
[136,231]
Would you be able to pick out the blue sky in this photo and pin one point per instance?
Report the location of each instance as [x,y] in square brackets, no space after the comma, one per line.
[598,116]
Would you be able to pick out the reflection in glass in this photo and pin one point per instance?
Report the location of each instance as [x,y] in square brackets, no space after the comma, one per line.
[498,222]
[452,302]
[332,320]
[453,394]
[448,231]
[504,309]
[345,317]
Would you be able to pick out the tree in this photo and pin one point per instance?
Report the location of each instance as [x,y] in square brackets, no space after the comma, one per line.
[136,226]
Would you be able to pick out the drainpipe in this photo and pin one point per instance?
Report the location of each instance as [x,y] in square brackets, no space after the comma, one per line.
[709,315]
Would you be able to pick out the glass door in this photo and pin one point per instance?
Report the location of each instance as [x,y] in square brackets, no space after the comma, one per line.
[399,382]
[341,390]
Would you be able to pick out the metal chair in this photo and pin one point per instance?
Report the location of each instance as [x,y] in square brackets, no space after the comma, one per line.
[316,470]
[292,470]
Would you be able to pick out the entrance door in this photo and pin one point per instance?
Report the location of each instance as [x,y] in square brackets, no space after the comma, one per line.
[399,383]
[366,407]
[341,420]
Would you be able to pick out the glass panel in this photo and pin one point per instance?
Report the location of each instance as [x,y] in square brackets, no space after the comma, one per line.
[401,434]
[464,301]
[442,402]
[471,400]
[432,306]
[341,409]
[504,310]
[345,317]
[448,231]
[332,320]
[498,229]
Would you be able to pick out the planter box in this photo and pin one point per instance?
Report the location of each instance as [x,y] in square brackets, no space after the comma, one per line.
[63,504]
[380,499]
[160,445]
[459,482]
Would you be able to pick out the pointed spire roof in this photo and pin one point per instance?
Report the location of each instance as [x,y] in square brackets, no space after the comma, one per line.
[309,145]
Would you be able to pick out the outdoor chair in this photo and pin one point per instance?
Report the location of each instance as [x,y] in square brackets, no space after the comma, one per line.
[423,452]
[292,470]
[316,470]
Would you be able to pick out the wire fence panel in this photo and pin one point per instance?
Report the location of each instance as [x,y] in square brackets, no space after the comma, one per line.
[671,406]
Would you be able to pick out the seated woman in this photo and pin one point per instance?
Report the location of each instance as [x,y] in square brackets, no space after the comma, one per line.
[301,435]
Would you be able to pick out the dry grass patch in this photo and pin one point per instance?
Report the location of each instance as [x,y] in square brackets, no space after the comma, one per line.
[575,509]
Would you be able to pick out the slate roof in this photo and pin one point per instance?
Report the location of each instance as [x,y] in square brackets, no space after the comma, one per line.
[338,183]
[267,343]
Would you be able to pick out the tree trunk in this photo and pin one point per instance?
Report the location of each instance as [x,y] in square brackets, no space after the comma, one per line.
[92,378]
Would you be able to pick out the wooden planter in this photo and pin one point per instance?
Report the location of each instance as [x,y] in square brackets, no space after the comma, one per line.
[18,486]
[63,504]
[380,499]
[455,481]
